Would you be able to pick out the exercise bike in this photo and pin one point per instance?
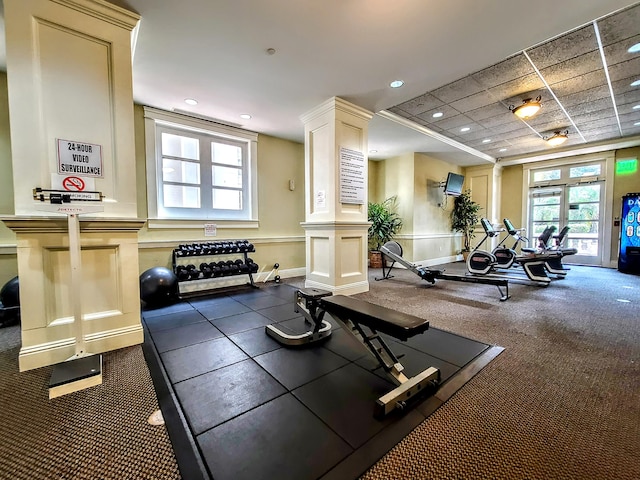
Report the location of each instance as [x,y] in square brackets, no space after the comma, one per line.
[480,262]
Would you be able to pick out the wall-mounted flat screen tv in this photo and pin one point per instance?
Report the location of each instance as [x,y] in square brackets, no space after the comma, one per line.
[453,185]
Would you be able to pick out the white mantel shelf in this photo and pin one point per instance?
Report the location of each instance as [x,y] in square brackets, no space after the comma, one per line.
[58,224]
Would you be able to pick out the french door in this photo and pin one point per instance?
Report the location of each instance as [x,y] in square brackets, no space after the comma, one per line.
[573,196]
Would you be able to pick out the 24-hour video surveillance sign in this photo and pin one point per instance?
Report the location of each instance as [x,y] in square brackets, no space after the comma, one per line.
[79,159]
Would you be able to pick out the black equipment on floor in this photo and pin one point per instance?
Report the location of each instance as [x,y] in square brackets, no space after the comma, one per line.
[365,321]
[393,250]
[305,302]
[480,262]
[10,303]
[158,287]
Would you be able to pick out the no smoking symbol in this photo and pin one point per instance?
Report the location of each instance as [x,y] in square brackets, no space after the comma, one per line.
[73,184]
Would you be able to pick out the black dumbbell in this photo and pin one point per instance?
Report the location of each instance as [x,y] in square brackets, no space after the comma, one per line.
[217,271]
[206,270]
[181,272]
[194,273]
[226,269]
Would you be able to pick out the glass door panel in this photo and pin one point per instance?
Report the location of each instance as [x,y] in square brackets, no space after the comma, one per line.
[583,219]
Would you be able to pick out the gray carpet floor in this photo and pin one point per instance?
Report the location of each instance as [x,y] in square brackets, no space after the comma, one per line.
[561,402]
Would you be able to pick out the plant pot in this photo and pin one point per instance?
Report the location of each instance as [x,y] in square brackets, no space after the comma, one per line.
[375,259]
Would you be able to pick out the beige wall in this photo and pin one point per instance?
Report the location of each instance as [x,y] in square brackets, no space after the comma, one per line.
[279,237]
[511,197]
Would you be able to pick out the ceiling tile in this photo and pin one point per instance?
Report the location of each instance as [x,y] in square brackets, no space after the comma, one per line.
[518,87]
[448,112]
[629,97]
[574,67]
[592,94]
[453,122]
[618,52]
[558,50]
[473,102]
[619,26]
[465,87]
[493,110]
[595,107]
[626,69]
[505,71]
[419,104]
[577,84]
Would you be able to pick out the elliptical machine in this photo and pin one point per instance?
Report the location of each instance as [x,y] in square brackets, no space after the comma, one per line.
[480,262]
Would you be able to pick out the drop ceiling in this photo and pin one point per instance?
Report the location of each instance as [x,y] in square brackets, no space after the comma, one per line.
[470,60]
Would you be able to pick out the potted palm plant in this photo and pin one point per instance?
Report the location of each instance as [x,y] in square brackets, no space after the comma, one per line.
[385,224]
[464,218]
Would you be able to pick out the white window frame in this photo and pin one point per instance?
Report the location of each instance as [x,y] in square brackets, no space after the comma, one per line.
[196,218]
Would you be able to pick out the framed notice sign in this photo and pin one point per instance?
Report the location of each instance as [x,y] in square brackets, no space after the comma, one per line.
[352,176]
[79,159]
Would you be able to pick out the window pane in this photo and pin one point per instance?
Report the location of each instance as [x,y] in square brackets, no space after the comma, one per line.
[584,193]
[585,246]
[546,213]
[546,175]
[546,200]
[586,171]
[180,172]
[538,228]
[584,211]
[180,196]
[226,177]
[179,146]
[227,154]
[227,199]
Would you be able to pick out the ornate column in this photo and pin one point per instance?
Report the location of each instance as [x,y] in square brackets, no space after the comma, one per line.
[336,197]
[71,119]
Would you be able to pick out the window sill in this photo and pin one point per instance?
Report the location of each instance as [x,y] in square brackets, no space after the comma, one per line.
[199,224]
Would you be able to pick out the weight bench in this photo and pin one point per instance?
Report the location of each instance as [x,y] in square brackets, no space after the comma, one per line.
[365,321]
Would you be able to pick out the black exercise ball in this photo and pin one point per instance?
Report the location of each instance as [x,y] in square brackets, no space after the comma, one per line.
[158,287]
[10,293]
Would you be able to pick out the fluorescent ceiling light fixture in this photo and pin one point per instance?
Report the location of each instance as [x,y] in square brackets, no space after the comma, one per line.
[636,83]
[396,84]
[486,140]
[465,129]
[246,116]
[190,101]
[558,138]
[437,115]
[635,48]
[528,108]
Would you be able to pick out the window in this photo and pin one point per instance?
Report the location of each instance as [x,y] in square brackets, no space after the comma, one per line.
[198,169]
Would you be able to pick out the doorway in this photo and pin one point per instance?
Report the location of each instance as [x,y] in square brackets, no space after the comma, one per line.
[571,195]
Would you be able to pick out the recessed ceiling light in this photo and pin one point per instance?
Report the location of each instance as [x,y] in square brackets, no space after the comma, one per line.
[635,48]
[373,151]
[636,124]
[396,84]
[636,107]
[465,129]
[486,140]
[636,83]
[190,101]
[503,149]
[246,116]
[437,115]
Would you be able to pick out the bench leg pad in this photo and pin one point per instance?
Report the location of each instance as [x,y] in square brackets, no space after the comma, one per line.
[397,398]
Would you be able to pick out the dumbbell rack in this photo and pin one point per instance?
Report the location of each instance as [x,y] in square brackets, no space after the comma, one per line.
[188,260]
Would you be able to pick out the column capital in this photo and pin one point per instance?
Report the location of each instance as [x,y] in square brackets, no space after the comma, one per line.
[336,103]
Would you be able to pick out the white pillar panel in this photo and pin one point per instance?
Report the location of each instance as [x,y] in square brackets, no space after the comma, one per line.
[69,78]
[336,232]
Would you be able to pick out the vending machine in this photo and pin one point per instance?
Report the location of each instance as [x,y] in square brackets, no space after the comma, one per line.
[629,255]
